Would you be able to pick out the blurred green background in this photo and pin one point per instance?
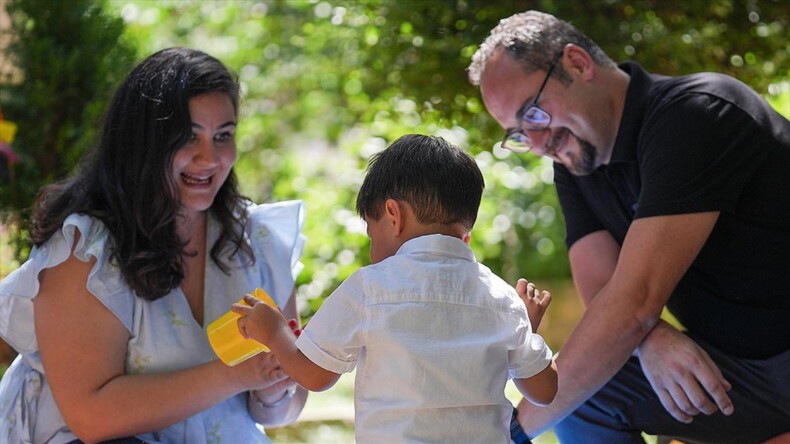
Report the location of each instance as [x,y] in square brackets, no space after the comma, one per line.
[327,83]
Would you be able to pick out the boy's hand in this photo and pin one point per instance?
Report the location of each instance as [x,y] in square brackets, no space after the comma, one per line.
[259,321]
[536,301]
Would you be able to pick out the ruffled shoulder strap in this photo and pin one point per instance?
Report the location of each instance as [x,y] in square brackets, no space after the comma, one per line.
[276,237]
[105,281]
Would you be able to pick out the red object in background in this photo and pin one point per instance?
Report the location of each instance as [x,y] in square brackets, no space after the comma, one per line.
[8,158]
[8,153]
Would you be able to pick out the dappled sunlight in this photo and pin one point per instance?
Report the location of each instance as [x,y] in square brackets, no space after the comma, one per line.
[325,86]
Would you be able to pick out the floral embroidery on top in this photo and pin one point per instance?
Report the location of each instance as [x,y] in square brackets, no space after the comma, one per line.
[262,231]
[139,363]
[95,249]
[174,320]
[214,437]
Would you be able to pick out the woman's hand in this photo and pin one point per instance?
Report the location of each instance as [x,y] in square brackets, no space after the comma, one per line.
[264,374]
[275,399]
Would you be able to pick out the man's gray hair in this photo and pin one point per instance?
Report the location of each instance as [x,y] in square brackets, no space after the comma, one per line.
[534,39]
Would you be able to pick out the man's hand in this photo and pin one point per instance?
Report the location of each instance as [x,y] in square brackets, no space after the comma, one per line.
[683,375]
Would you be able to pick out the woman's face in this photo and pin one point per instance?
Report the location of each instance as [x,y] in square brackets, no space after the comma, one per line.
[201,166]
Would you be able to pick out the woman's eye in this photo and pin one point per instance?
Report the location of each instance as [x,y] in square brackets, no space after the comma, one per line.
[223,137]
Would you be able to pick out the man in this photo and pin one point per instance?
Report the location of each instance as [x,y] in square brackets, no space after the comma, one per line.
[676,193]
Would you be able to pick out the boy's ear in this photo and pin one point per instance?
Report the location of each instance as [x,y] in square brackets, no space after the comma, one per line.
[396,215]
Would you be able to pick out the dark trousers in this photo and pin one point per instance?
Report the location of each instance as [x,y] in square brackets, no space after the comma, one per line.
[627,405]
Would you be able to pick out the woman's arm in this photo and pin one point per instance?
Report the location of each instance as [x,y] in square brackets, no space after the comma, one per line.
[83,349]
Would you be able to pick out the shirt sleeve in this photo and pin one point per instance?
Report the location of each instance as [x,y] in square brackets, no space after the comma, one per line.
[580,220]
[334,337]
[105,281]
[531,358]
[693,156]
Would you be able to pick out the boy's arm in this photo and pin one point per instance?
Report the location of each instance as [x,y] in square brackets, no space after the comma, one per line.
[301,369]
[536,301]
[267,325]
[539,389]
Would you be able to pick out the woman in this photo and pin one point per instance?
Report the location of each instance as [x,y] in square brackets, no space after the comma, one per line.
[134,256]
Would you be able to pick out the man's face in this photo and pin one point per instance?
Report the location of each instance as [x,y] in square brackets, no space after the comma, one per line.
[508,91]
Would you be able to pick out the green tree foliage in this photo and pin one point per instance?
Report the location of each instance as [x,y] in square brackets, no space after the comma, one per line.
[59,67]
[328,83]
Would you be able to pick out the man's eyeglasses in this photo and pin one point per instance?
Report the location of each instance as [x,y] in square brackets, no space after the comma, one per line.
[532,117]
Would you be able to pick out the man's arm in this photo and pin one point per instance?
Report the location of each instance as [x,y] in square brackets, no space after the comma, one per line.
[593,260]
[656,253]
[669,358]
[681,373]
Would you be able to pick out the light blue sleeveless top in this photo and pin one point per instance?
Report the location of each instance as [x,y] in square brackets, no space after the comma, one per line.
[164,335]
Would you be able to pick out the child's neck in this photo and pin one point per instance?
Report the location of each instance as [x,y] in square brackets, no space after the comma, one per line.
[417,230]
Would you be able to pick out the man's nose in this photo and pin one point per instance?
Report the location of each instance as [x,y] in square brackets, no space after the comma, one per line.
[538,140]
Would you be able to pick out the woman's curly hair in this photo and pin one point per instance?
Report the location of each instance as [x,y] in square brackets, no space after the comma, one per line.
[126,181]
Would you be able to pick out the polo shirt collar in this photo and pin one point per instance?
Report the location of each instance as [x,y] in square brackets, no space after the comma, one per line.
[633,112]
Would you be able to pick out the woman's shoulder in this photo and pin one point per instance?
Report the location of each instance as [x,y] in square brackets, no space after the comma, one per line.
[93,235]
[83,236]
[86,239]
[275,234]
[279,222]
[288,213]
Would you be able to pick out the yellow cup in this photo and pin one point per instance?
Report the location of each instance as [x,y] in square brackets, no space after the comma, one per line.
[7,131]
[226,340]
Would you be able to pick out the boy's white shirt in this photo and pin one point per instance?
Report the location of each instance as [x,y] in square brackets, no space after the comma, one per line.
[435,336]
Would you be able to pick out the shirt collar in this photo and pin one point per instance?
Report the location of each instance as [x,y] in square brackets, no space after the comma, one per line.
[438,244]
[633,111]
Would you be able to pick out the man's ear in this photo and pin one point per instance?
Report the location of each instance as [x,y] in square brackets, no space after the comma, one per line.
[577,62]
[396,215]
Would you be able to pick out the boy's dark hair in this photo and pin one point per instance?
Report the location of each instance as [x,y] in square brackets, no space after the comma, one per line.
[440,182]
[127,180]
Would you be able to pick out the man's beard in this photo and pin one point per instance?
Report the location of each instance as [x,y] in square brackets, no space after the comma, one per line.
[588,154]
[585,162]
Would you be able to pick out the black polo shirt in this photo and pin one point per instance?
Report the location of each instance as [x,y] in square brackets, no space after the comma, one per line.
[696,143]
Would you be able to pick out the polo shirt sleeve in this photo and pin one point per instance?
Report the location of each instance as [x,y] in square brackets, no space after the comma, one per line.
[579,217]
[693,156]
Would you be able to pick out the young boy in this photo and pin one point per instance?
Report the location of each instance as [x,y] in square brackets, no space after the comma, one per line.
[434,334]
